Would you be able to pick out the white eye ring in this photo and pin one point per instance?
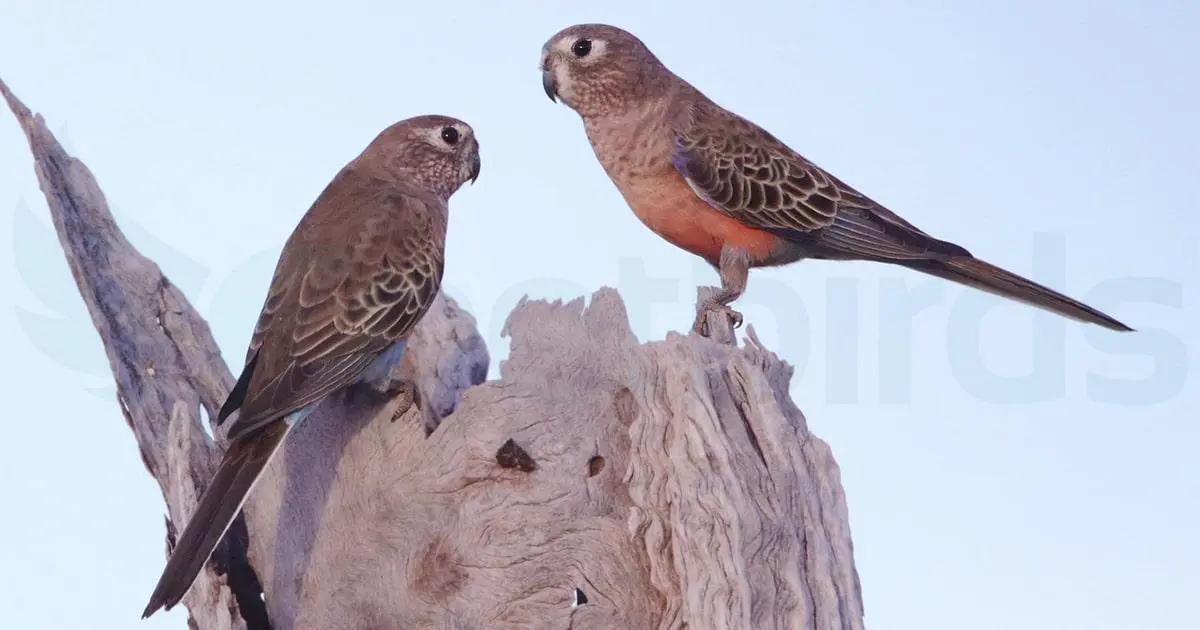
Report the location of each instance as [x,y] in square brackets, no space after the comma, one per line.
[594,52]
[436,136]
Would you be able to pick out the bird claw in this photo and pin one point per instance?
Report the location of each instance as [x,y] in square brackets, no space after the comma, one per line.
[407,392]
[399,387]
[700,326]
[386,390]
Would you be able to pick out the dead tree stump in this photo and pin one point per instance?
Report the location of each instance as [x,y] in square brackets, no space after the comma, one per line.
[598,483]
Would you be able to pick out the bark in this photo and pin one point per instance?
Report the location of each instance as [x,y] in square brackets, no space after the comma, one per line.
[596,483]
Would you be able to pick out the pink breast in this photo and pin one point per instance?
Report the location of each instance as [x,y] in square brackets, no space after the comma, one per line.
[669,207]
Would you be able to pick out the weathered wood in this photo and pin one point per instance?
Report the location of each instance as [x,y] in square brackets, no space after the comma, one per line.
[597,483]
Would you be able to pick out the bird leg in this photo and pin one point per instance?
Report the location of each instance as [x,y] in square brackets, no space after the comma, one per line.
[407,391]
[734,268]
[384,390]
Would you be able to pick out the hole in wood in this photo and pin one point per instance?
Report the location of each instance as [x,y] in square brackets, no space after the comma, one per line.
[512,456]
[580,598]
[595,465]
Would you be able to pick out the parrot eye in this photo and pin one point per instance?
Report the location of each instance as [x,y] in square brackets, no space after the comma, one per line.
[450,135]
[581,47]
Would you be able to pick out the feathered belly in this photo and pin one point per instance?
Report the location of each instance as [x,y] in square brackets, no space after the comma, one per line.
[669,207]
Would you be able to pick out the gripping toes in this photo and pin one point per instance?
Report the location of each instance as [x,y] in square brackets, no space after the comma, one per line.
[384,391]
[407,392]
[700,326]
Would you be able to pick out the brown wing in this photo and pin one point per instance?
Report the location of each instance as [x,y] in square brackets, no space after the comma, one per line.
[361,269]
[742,170]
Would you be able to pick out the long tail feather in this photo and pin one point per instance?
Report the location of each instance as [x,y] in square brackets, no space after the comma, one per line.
[240,469]
[985,276]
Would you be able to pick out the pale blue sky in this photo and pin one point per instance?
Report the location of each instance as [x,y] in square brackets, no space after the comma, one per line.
[1059,139]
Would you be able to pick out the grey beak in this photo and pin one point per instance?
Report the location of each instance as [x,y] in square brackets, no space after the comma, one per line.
[475,164]
[550,85]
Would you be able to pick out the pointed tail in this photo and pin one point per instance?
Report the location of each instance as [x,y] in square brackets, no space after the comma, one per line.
[241,467]
[984,276]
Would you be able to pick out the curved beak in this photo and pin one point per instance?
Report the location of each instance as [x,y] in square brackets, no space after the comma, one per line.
[550,85]
[549,81]
[475,164]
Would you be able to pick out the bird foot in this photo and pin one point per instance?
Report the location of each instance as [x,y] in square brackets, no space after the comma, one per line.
[386,390]
[409,398]
[701,324]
